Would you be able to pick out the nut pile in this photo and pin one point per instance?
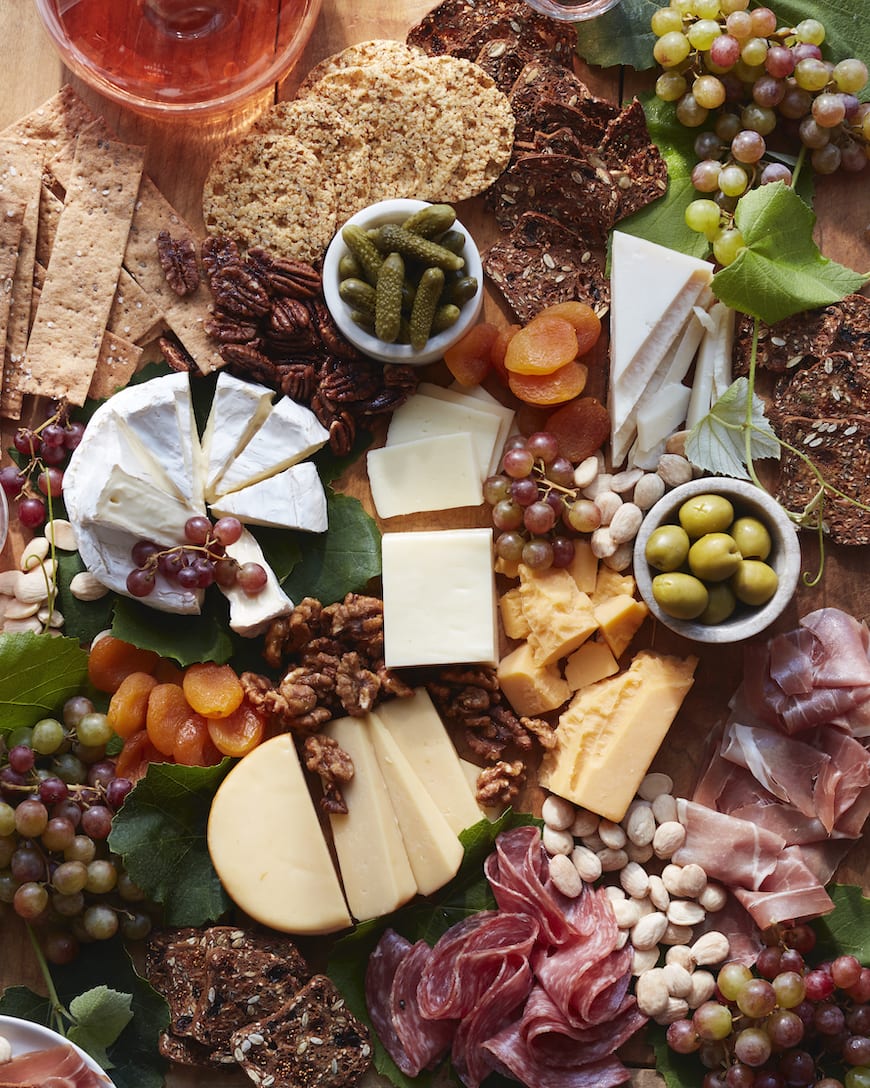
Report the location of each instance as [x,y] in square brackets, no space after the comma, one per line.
[27,595]
[656,903]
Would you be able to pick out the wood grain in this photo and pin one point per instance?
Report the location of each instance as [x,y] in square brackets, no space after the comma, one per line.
[178,157]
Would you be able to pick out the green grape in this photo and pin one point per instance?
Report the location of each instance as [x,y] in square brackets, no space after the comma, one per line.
[748,73]
[702,216]
[689,113]
[865,126]
[858,1077]
[709,92]
[712,1021]
[94,730]
[705,175]
[100,922]
[729,6]
[671,49]
[789,988]
[728,245]
[754,52]
[102,876]
[733,180]
[811,74]
[70,877]
[665,21]
[702,33]
[684,7]
[22,734]
[671,86]
[739,25]
[810,31]
[850,75]
[829,110]
[707,9]
[758,119]
[47,736]
[7,819]
[732,978]
[727,126]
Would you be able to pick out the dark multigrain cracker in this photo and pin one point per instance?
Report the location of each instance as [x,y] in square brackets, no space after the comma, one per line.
[796,340]
[313,1041]
[588,120]
[183,1050]
[501,60]
[853,332]
[840,450]
[837,385]
[540,262]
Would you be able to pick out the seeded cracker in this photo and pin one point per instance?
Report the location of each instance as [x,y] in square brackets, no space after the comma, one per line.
[11,223]
[118,361]
[378,51]
[838,385]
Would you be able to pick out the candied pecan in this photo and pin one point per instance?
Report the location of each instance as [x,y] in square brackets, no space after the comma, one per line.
[238,291]
[325,757]
[298,381]
[218,251]
[229,330]
[175,355]
[328,332]
[342,434]
[285,276]
[251,362]
[290,325]
[356,687]
[177,258]
[501,783]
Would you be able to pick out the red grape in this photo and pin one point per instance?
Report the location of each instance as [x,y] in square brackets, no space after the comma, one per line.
[26,442]
[10,481]
[140,582]
[31,512]
[251,578]
[227,530]
[50,482]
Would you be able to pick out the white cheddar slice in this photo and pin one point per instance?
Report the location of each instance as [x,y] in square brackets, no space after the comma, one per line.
[251,614]
[702,382]
[374,865]
[289,434]
[661,414]
[433,850]
[271,855]
[439,598]
[426,416]
[724,344]
[437,473]
[484,402]
[238,409]
[292,499]
[417,729]
[140,508]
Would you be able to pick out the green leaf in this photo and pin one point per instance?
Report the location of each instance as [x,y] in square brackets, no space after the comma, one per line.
[37,674]
[160,832]
[846,931]
[781,271]
[188,639]
[330,467]
[282,549]
[342,560]
[619,36]
[717,443]
[82,619]
[100,1016]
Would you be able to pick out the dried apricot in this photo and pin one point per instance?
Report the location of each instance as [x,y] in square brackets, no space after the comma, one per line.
[167,710]
[499,349]
[212,690]
[581,427]
[111,659]
[128,706]
[134,757]
[586,322]
[544,346]
[238,733]
[167,672]
[193,746]
[468,360]
[563,384]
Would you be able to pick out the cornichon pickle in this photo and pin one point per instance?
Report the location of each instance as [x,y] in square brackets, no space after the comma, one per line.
[423,310]
[409,292]
[393,239]
[388,298]
[431,220]
[349,266]
[454,240]
[461,290]
[444,317]
[365,251]
[357,293]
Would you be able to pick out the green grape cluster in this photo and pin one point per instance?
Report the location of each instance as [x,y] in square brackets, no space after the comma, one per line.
[755,81]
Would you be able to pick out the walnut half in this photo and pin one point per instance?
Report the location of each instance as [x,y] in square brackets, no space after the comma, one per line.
[325,757]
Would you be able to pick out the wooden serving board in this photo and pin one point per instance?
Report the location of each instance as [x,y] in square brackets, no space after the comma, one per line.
[178,157]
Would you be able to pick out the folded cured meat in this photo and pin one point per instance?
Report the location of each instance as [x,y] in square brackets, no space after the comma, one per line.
[733,851]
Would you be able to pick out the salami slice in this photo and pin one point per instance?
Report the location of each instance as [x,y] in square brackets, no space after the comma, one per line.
[423,1041]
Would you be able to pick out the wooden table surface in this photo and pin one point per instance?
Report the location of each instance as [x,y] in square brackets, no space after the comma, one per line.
[178,157]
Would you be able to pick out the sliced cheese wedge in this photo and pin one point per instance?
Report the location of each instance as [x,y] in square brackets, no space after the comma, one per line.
[434,852]
[436,473]
[659,415]
[140,508]
[238,409]
[483,402]
[374,865]
[251,614]
[289,434]
[417,729]
[267,847]
[427,416]
[292,499]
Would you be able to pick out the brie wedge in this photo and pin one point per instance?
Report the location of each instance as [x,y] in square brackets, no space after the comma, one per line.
[292,499]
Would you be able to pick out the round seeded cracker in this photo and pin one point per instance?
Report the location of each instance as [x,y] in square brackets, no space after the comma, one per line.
[383,51]
[270,190]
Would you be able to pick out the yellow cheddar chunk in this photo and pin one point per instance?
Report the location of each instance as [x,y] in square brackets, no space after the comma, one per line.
[584,567]
[612,583]
[611,731]
[559,615]
[530,688]
[513,619]
[510,568]
[591,663]
[619,618]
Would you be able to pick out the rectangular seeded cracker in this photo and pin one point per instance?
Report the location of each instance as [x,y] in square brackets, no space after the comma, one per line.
[117,362]
[67,334]
[11,224]
[837,385]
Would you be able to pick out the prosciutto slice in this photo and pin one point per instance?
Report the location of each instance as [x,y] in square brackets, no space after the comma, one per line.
[785,767]
[60,1065]
[792,891]
[733,851]
[791,661]
[841,660]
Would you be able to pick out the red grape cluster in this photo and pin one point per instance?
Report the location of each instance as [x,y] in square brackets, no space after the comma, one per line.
[198,564]
[43,449]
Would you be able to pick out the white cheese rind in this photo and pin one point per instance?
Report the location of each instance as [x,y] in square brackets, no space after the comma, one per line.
[439,598]
[238,409]
[267,847]
[427,417]
[292,499]
[251,614]
[437,473]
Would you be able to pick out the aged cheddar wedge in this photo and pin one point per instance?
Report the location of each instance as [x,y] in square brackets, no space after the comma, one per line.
[591,663]
[611,731]
[271,856]
[559,615]
[513,619]
[372,859]
[530,688]
[619,618]
[416,727]
[433,849]
[612,583]
[584,567]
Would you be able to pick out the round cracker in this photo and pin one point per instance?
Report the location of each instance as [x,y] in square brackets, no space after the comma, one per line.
[270,190]
[376,51]
[341,150]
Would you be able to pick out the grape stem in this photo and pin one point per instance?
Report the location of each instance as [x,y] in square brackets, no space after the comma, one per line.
[60,1015]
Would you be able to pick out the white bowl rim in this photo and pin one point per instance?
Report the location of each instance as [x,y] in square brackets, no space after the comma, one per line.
[787,561]
[388,211]
[26,1035]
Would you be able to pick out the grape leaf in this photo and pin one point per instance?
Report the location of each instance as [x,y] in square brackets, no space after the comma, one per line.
[717,444]
[100,1016]
[341,561]
[846,931]
[160,832]
[37,674]
[619,36]
[781,271]
[188,639]
[82,619]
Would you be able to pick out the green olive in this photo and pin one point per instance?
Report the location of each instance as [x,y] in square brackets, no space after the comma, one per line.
[720,605]
[680,595]
[714,557]
[667,547]
[706,514]
[752,538]
[754,582]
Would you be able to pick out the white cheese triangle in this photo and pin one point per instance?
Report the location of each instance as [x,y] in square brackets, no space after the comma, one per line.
[238,409]
[292,499]
[138,507]
[251,614]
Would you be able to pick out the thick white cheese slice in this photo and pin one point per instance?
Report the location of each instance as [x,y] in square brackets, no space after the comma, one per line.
[713,370]
[660,414]
[293,499]
[372,860]
[267,847]
[289,434]
[138,507]
[433,850]
[426,416]
[483,402]
[653,290]
[237,410]
[417,729]
[439,598]
[251,614]
[436,473]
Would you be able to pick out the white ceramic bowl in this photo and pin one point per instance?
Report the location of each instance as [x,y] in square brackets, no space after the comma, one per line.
[785,557]
[376,215]
[25,1036]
